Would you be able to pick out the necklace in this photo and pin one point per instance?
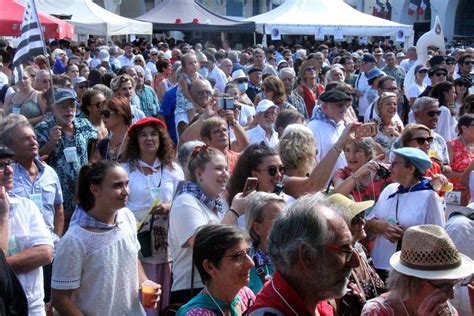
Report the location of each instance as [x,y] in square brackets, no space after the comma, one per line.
[212,298]
[112,152]
[283,299]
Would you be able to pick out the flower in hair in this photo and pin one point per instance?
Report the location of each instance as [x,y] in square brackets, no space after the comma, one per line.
[199,149]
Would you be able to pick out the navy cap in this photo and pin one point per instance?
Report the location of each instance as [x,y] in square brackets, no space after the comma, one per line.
[334,96]
[415,156]
[437,68]
[463,81]
[420,67]
[62,94]
[6,152]
[253,69]
[368,58]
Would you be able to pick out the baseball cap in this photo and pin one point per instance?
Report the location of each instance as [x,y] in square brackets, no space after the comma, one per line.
[368,58]
[62,94]
[78,80]
[264,105]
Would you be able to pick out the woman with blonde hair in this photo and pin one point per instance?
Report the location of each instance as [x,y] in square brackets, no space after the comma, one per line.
[303,174]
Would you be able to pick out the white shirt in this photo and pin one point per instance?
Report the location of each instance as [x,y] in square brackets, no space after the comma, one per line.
[461,230]
[186,216]
[101,268]
[326,136]
[446,124]
[362,85]
[126,61]
[258,134]
[414,208]
[219,76]
[415,90]
[371,113]
[152,67]
[245,112]
[3,79]
[28,229]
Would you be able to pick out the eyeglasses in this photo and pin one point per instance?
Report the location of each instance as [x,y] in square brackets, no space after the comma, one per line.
[269,114]
[393,89]
[433,113]
[204,93]
[358,218]
[106,113]
[4,165]
[348,252]
[239,256]
[450,63]
[311,68]
[444,287]
[422,140]
[244,80]
[272,170]
[219,131]
[440,74]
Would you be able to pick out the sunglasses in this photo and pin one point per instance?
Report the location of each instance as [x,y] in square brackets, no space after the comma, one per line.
[83,87]
[4,165]
[433,113]
[98,104]
[240,256]
[440,74]
[450,63]
[272,170]
[468,63]
[358,218]
[423,140]
[445,287]
[106,113]
[242,80]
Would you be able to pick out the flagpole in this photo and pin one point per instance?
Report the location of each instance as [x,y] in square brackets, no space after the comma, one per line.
[45,53]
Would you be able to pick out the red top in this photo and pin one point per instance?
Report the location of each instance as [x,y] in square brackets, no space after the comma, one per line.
[310,97]
[232,158]
[269,298]
[461,159]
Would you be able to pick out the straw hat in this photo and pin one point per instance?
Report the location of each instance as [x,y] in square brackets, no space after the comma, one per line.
[354,207]
[308,63]
[428,253]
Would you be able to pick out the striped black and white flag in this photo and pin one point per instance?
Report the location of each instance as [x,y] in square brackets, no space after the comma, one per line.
[31,39]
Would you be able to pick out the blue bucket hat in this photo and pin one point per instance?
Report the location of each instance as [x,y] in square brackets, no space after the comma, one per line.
[415,156]
[374,73]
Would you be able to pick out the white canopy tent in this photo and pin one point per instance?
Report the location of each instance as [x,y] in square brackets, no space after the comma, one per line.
[327,17]
[91,19]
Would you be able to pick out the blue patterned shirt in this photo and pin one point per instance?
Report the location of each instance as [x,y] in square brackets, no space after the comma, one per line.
[84,132]
[149,103]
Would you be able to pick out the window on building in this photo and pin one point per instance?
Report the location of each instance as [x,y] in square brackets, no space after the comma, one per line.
[235,8]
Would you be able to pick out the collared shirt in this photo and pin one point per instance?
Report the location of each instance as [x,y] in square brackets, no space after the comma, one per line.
[126,61]
[84,219]
[193,188]
[258,134]
[27,230]
[219,76]
[149,101]
[298,102]
[396,72]
[67,171]
[279,297]
[46,183]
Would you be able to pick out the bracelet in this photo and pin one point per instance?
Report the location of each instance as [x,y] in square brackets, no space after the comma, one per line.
[339,150]
[234,212]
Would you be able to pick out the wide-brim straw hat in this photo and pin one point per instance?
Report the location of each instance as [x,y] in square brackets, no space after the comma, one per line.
[353,206]
[429,253]
[308,63]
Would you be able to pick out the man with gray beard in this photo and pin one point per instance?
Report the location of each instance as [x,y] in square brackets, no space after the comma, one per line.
[311,248]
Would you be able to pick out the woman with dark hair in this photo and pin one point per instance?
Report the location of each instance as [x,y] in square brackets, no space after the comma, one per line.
[261,162]
[153,178]
[91,103]
[409,201]
[273,90]
[72,71]
[461,153]
[445,93]
[197,202]
[161,83]
[461,86]
[309,88]
[220,254]
[117,117]
[84,70]
[467,106]
[95,77]
[98,256]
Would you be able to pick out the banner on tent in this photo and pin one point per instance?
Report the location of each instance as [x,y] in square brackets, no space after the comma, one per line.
[276,34]
[319,34]
[338,34]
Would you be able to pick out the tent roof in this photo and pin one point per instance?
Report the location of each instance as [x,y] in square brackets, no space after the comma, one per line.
[90,18]
[11,17]
[305,16]
[165,15]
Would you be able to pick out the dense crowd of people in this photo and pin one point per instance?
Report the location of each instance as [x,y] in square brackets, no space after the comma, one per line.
[161,178]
